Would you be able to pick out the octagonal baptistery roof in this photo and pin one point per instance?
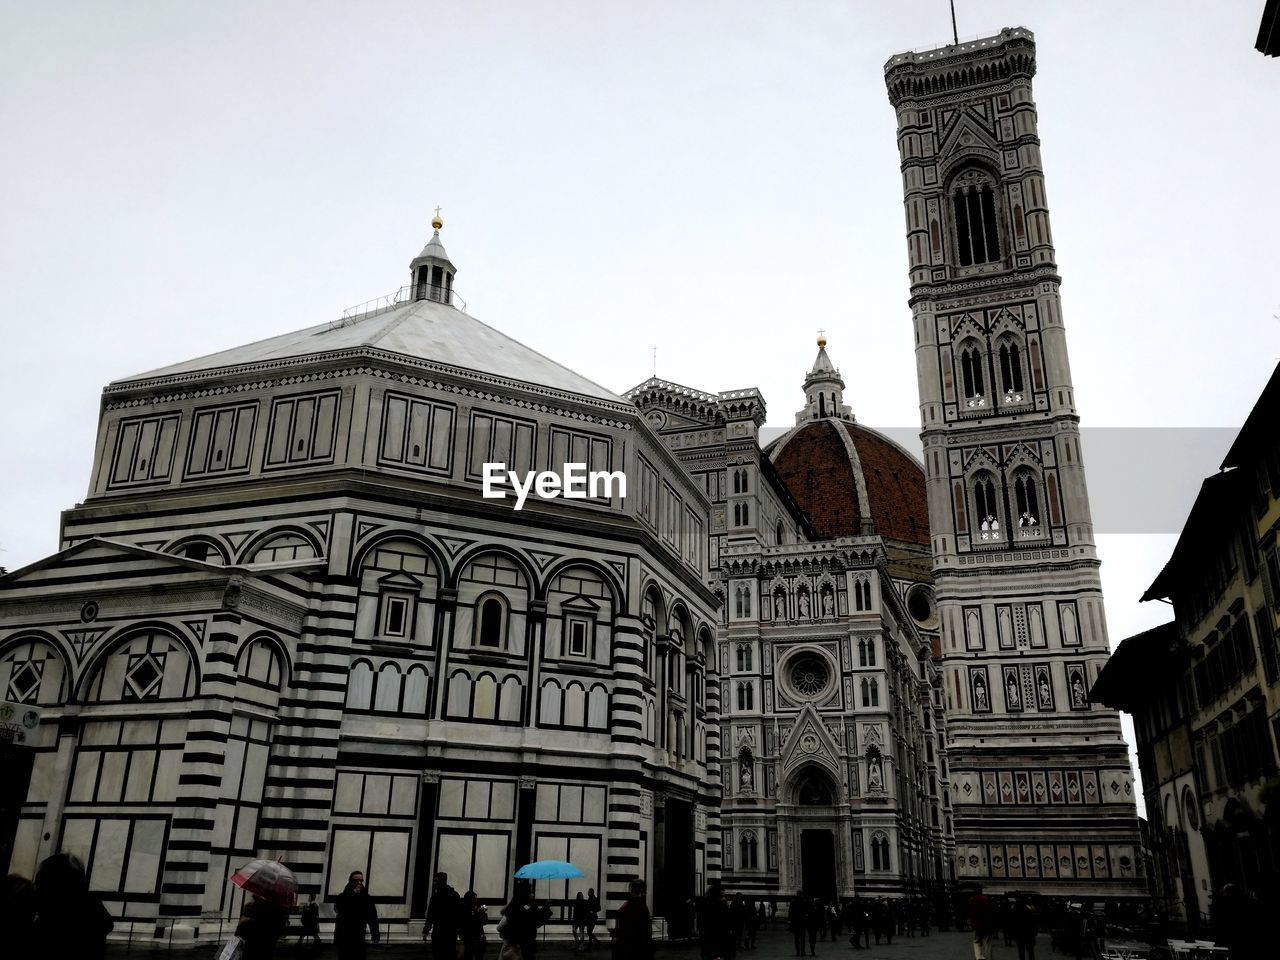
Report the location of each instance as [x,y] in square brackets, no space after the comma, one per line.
[850,479]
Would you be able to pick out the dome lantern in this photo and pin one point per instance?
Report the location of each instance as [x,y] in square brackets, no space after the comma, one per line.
[431,272]
[823,389]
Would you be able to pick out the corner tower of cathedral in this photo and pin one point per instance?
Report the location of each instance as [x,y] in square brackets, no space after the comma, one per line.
[1041,777]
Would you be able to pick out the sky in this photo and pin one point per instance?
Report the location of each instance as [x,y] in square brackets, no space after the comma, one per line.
[716,179]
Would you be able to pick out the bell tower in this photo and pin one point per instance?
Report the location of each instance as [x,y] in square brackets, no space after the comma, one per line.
[1041,782]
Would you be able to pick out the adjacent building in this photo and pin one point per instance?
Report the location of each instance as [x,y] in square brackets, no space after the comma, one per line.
[1041,779]
[1209,735]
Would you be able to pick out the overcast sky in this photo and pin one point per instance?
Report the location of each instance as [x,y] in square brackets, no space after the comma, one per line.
[719,179]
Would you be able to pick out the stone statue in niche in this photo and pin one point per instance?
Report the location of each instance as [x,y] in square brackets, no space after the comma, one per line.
[779,606]
[1046,696]
[746,783]
[1077,689]
[828,603]
[1012,686]
[804,603]
[875,776]
[980,693]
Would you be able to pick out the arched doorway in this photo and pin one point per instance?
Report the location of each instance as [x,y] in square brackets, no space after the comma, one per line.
[814,830]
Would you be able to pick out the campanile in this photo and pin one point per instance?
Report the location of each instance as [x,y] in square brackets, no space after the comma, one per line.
[1041,782]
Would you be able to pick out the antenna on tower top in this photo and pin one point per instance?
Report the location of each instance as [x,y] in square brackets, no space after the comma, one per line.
[955,34]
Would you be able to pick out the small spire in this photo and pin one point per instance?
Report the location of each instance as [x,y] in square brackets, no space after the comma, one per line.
[823,388]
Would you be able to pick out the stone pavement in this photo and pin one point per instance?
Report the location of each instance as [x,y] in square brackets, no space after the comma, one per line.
[773,944]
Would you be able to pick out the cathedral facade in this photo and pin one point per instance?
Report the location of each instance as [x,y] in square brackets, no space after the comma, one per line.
[1042,781]
[833,734]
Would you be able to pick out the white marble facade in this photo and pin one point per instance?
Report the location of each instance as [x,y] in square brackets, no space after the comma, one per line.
[285,623]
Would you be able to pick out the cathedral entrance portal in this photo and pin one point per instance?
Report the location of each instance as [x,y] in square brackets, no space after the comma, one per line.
[814,835]
[818,864]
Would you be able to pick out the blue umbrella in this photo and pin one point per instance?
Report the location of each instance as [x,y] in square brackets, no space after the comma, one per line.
[548,870]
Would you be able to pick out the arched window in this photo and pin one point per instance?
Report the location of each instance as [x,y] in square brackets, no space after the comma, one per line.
[971,367]
[746,514]
[1010,367]
[862,595]
[744,657]
[1027,498]
[880,852]
[778,533]
[974,208]
[862,653]
[746,697]
[491,622]
[866,692]
[871,653]
[150,665]
[984,502]
[875,693]
[32,672]
[737,482]
[287,546]
[748,851]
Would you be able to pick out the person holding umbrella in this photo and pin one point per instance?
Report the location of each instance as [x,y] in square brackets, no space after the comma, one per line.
[262,923]
[264,918]
[354,910]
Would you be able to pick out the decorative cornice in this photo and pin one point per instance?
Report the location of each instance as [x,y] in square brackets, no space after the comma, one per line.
[172,388]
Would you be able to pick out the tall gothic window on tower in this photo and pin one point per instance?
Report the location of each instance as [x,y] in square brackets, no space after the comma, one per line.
[971,362]
[984,505]
[1024,491]
[974,207]
[1010,367]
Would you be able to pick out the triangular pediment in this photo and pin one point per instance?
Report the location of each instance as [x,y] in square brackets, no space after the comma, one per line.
[84,556]
[810,742]
[968,133]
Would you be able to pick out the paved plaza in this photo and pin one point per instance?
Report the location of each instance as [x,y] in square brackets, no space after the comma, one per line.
[773,944]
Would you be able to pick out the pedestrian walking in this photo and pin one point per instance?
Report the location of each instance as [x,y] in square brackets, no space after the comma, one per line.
[593,915]
[797,921]
[70,920]
[985,921]
[633,930]
[815,919]
[471,926]
[354,913]
[262,924]
[715,935]
[578,922]
[309,918]
[1025,929]
[519,925]
[444,911]
[754,919]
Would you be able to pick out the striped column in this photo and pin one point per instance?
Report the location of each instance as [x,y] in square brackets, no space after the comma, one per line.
[186,866]
[626,706]
[624,852]
[298,794]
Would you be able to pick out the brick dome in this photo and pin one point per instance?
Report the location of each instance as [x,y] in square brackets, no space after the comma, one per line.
[853,481]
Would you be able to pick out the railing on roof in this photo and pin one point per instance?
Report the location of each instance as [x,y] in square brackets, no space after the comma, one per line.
[969,43]
[438,293]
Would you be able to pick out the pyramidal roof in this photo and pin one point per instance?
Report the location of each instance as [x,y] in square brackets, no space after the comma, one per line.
[420,329]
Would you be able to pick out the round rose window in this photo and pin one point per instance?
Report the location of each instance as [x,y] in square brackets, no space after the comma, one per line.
[810,675]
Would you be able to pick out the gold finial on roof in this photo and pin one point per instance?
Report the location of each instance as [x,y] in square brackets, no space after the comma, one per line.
[436,222]
[822,338]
